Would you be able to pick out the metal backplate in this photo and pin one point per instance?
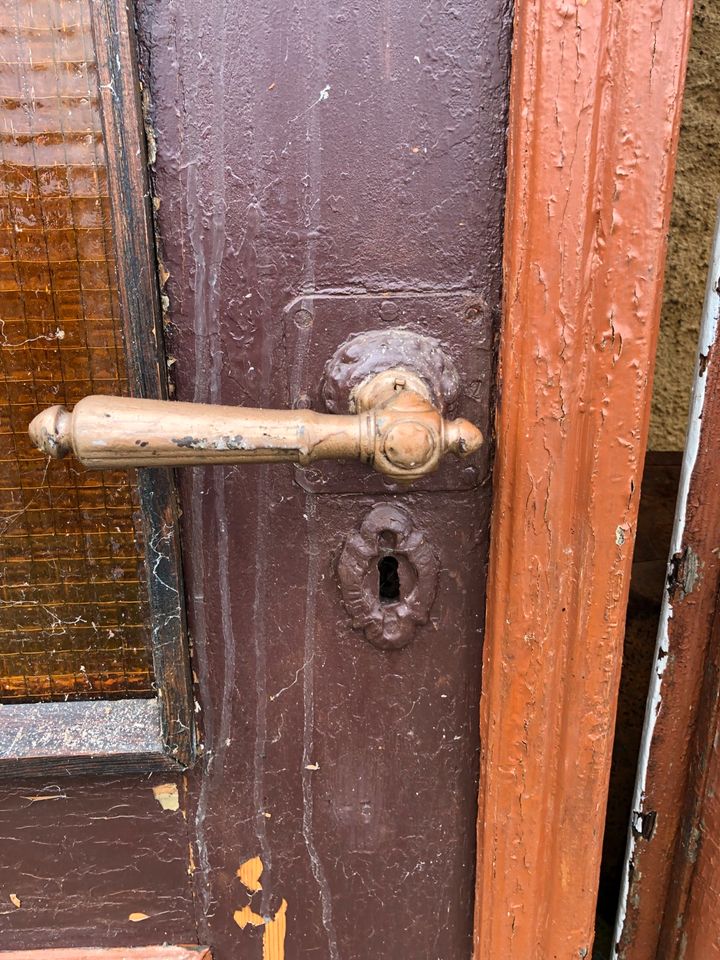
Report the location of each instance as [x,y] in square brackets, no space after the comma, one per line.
[315,324]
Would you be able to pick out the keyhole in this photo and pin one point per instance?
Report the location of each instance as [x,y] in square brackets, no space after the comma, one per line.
[388,579]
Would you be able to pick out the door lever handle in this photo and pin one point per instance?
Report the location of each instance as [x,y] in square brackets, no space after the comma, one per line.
[396,429]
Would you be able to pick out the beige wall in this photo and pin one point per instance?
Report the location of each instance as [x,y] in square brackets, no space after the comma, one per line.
[697,188]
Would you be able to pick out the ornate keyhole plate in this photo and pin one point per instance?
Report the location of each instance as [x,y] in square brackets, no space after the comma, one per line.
[388,577]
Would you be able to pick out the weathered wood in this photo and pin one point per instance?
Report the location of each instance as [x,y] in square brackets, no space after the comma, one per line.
[38,739]
[350,772]
[125,144]
[594,115]
[670,892]
[111,953]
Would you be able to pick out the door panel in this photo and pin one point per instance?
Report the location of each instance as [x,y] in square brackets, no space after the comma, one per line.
[88,858]
[352,157]
[321,171]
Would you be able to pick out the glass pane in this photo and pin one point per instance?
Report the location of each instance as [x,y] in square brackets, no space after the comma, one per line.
[74,614]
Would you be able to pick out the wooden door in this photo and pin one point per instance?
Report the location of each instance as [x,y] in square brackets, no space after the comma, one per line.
[318,172]
[328,171]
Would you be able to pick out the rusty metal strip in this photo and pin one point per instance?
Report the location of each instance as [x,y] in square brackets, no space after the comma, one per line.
[594,115]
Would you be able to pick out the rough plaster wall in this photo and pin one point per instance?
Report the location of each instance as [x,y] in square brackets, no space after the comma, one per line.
[697,187]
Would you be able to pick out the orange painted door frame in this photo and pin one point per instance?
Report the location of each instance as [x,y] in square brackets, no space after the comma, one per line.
[594,116]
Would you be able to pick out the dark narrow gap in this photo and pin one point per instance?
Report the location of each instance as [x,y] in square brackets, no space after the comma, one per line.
[647,583]
[388,579]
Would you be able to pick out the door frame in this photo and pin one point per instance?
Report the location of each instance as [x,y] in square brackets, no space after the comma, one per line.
[666,901]
[595,101]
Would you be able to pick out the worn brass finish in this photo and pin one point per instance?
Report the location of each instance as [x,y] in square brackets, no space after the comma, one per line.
[396,430]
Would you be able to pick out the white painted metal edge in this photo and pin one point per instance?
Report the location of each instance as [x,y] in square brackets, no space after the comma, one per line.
[708,334]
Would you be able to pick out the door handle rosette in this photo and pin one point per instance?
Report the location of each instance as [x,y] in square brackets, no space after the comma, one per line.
[396,428]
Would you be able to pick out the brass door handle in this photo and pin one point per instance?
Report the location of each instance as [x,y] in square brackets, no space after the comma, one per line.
[396,429]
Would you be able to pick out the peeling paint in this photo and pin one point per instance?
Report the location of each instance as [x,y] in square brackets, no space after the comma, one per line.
[570,437]
[683,577]
[684,574]
[247,917]
[250,873]
[274,931]
[167,796]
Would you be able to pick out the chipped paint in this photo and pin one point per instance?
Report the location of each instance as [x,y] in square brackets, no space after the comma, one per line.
[593,117]
[683,575]
[274,930]
[250,873]
[248,917]
[167,796]
[15,900]
[275,927]
[274,935]
[40,797]
[234,259]
[237,442]
[138,917]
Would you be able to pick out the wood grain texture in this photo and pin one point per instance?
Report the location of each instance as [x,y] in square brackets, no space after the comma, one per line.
[594,114]
[691,927]
[111,953]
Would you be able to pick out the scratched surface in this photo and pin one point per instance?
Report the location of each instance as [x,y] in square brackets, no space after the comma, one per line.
[316,150]
[310,150]
[92,861]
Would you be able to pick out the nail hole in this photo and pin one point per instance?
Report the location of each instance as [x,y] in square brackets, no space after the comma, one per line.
[388,579]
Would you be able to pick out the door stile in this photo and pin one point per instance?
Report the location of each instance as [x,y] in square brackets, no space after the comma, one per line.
[594,115]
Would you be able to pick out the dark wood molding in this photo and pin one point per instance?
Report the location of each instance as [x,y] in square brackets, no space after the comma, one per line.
[142,317]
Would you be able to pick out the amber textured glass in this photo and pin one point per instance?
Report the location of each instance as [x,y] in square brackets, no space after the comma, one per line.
[74,616]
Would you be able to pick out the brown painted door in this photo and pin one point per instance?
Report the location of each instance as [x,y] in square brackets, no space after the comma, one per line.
[322,170]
